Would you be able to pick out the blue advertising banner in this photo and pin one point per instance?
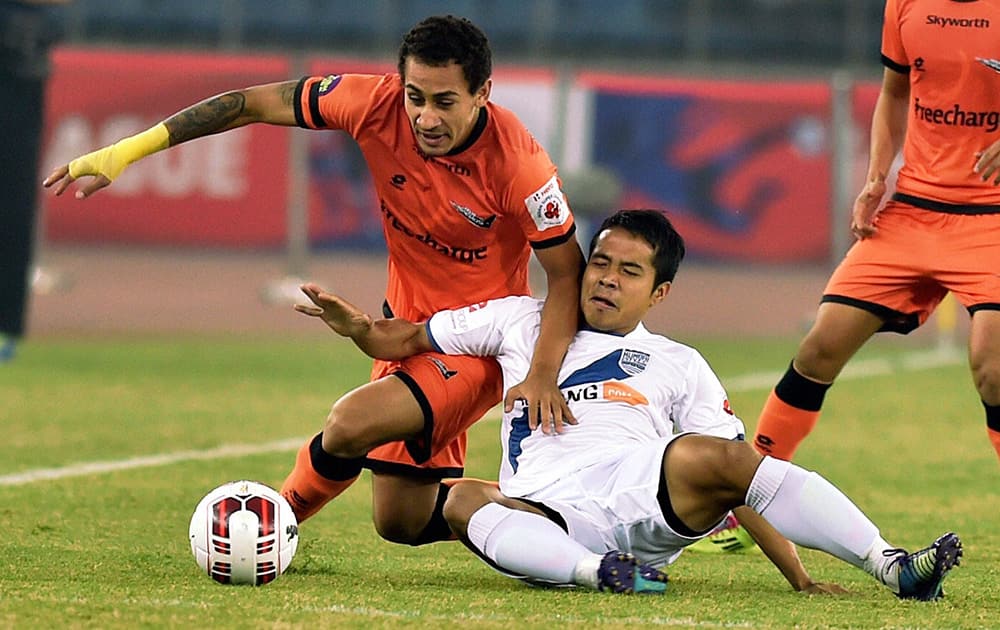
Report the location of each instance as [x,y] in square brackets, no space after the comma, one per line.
[741,168]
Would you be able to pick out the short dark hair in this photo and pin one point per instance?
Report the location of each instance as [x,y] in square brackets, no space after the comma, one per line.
[441,39]
[654,228]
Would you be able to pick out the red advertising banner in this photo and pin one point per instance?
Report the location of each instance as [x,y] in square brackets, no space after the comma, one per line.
[741,167]
[229,189]
[863,99]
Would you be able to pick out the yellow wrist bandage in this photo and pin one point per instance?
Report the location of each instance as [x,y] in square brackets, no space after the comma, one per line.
[112,160]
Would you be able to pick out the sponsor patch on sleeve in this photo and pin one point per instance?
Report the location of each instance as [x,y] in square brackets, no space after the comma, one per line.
[328,83]
[464,319]
[547,205]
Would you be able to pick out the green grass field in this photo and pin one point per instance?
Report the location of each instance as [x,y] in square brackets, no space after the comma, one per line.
[109,549]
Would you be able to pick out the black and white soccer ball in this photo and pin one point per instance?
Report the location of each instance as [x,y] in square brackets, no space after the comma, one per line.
[244,532]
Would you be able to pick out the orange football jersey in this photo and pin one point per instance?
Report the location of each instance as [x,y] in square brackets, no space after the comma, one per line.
[459,228]
[951,51]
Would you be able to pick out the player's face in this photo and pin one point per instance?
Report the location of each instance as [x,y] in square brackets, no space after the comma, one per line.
[619,282]
[441,110]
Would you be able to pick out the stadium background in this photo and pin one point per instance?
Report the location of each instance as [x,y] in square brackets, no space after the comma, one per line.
[746,121]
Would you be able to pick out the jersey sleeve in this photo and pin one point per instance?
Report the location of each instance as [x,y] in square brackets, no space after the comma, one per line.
[704,407]
[893,54]
[538,201]
[480,329]
[336,101]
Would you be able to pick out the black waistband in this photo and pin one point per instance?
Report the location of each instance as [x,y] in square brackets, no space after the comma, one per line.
[940,206]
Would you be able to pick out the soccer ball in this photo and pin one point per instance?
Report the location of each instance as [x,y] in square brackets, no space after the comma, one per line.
[243,532]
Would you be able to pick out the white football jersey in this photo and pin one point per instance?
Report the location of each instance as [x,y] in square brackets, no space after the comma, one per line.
[623,390]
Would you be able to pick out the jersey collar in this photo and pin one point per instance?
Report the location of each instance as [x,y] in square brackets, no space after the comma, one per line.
[638,331]
[477,131]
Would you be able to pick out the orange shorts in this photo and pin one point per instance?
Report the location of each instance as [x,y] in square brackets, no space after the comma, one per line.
[904,271]
[454,392]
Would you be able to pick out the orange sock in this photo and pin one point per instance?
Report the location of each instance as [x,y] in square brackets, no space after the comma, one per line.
[995,439]
[782,427]
[306,490]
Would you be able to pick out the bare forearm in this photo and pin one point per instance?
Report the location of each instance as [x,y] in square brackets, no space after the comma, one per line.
[559,324]
[207,117]
[776,547]
[272,103]
[888,130]
[392,339]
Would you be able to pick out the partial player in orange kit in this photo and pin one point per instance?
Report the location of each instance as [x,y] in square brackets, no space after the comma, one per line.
[466,194]
[939,231]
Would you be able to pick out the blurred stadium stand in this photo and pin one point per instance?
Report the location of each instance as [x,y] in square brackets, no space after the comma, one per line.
[786,32]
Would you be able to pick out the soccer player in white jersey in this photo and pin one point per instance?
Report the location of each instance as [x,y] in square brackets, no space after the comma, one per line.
[657,458]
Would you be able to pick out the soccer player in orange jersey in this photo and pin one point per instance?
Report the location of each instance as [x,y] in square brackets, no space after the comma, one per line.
[465,194]
[939,231]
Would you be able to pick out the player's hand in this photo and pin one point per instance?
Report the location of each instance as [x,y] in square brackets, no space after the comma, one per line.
[819,588]
[107,163]
[545,403]
[104,165]
[61,179]
[866,209]
[340,315]
[988,163]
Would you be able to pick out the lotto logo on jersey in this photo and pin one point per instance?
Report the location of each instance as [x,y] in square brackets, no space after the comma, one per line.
[547,205]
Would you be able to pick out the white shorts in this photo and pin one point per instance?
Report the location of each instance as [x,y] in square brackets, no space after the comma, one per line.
[612,505]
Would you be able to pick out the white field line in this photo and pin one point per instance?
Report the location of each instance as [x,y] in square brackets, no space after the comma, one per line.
[148,461]
[910,362]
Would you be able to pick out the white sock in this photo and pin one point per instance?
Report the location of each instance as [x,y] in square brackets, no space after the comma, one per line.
[810,511]
[881,566]
[531,545]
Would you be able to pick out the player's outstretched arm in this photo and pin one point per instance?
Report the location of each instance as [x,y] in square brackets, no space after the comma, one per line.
[782,553]
[389,339]
[271,103]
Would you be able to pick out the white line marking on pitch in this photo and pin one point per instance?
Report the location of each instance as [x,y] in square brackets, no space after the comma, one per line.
[148,461]
[863,368]
[910,362]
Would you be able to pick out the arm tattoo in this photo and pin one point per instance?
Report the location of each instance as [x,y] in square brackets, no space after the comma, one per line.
[288,93]
[205,118]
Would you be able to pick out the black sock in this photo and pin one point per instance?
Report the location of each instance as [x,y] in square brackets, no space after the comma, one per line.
[992,417]
[437,528]
[330,466]
[800,392]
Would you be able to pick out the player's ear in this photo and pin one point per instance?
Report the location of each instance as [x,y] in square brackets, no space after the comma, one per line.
[659,293]
[483,93]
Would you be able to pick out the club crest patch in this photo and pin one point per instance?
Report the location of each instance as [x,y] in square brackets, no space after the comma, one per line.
[633,362]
